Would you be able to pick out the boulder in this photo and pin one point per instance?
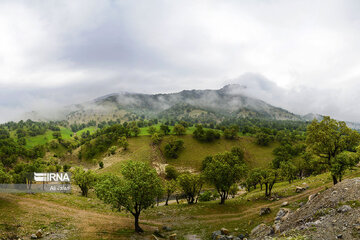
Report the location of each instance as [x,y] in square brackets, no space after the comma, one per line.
[264,211]
[39,233]
[33,236]
[282,214]
[344,209]
[299,189]
[261,231]
[172,236]
[224,231]
[284,204]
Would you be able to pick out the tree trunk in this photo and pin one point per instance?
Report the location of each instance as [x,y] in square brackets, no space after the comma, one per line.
[222,199]
[167,201]
[138,229]
[335,181]
[177,199]
[266,190]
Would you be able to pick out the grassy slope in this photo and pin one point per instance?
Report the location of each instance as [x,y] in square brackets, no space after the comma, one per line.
[195,151]
[193,154]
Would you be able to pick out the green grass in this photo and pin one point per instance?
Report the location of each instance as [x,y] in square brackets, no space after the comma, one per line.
[195,151]
[45,138]
[90,129]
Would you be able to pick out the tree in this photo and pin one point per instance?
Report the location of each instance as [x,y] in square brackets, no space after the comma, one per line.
[179,129]
[268,178]
[170,187]
[342,162]
[328,138]
[151,130]
[231,132]
[134,192]
[173,147]
[288,171]
[57,135]
[156,138]
[171,172]
[263,138]
[253,178]
[223,171]
[165,129]
[123,142]
[4,176]
[84,179]
[135,130]
[191,185]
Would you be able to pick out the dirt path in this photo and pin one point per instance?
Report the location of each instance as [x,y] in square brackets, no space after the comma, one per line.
[227,217]
[88,224]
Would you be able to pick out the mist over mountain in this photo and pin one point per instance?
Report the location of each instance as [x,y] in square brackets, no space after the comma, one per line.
[229,101]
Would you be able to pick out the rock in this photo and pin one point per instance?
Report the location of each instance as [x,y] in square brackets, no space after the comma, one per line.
[301,204]
[241,236]
[264,211]
[167,228]
[299,189]
[215,235]
[172,236]
[224,231]
[33,236]
[282,214]
[284,204]
[344,209]
[261,231]
[39,233]
[340,236]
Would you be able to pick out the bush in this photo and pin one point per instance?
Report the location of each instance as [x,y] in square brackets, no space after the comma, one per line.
[172,149]
[171,172]
[206,196]
[101,165]
[112,150]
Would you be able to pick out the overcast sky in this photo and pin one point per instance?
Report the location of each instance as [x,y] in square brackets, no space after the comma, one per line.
[300,55]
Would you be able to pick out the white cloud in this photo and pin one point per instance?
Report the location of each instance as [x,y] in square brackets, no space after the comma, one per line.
[76,50]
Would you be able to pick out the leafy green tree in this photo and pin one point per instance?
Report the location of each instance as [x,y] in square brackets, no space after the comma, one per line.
[179,129]
[135,130]
[156,138]
[171,172]
[151,130]
[57,135]
[164,129]
[4,176]
[112,150]
[269,178]
[173,147]
[288,171]
[231,132]
[123,142]
[328,138]
[263,138]
[223,171]
[84,179]
[191,185]
[170,187]
[342,162]
[134,192]
[253,178]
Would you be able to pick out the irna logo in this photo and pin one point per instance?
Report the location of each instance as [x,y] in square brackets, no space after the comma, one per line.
[52,177]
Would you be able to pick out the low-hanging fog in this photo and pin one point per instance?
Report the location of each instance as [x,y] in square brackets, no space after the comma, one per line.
[298,55]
